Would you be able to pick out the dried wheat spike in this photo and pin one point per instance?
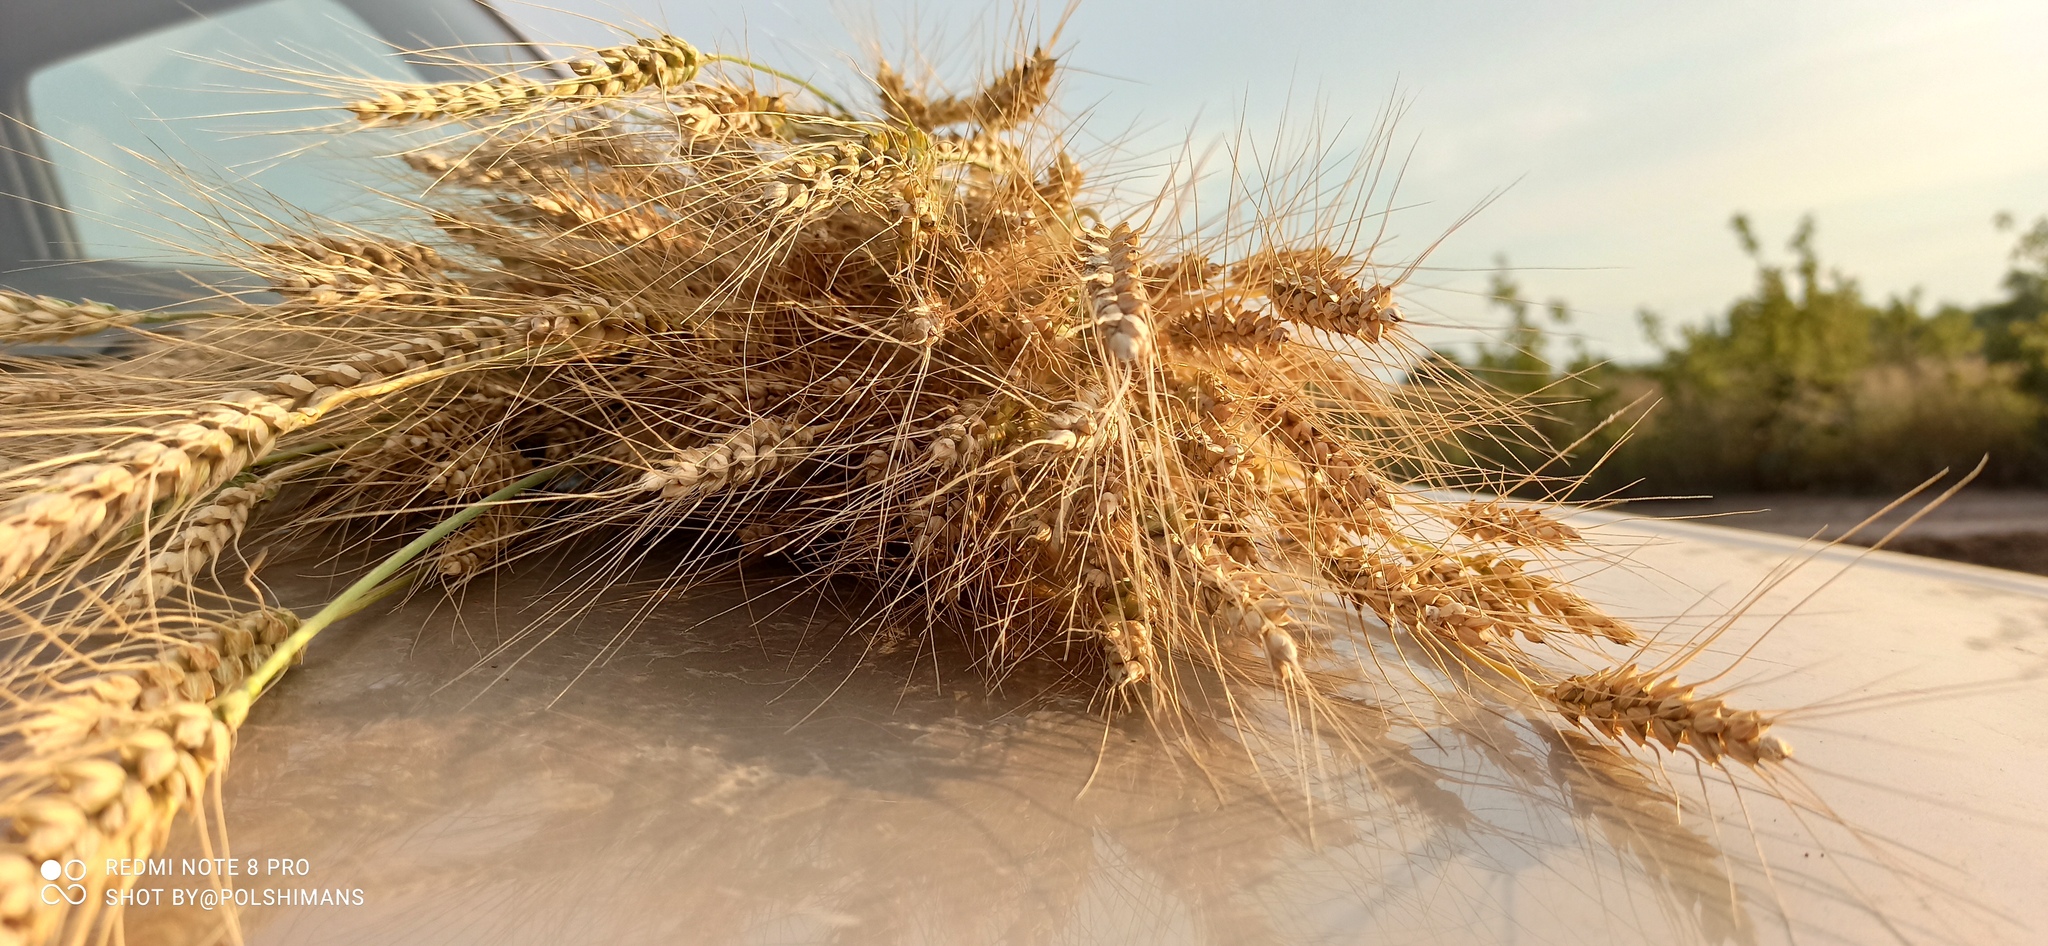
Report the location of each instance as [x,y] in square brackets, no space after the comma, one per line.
[1477,601]
[662,62]
[1250,330]
[26,318]
[1501,585]
[25,391]
[1334,303]
[475,548]
[737,400]
[754,451]
[1016,95]
[1184,274]
[715,112]
[530,157]
[587,323]
[419,443]
[207,530]
[1218,455]
[1492,521]
[1071,425]
[984,151]
[390,257]
[85,502]
[477,468]
[813,181]
[329,270]
[1238,599]
[1008,101]
[574,213]
[906,106]
[1418,598]
[1117,296]
[1337,471]
[122,752]
[468,170]
[1060,183]
[473,340]
[1127,648]
[1627,702]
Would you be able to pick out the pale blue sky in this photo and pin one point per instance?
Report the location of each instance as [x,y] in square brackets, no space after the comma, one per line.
[1624,133]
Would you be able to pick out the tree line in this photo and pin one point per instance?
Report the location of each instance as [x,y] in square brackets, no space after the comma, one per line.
[1803,384]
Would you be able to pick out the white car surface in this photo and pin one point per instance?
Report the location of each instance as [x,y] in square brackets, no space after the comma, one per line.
[741,774]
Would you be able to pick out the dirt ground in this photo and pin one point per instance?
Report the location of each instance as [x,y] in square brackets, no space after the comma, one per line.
[1998,528]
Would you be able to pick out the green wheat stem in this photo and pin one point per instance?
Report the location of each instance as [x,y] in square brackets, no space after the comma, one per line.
[367,589]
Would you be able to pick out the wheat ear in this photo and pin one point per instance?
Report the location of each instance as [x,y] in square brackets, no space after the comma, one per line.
[1239,599]
[85,502]
[757,450]
[475,548]
[1252,331]
[1006,102]
[1325,300]
[326,271]
[119,755]
[661,62]
[1494,521]
[1643,707]
[207,531]
[1117,296]
[26,318]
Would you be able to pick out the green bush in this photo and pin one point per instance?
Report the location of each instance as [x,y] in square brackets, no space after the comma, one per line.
[1803,385]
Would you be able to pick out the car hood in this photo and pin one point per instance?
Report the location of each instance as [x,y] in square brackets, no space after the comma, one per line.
[739,769]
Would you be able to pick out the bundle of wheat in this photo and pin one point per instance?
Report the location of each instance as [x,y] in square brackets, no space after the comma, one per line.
[900,350]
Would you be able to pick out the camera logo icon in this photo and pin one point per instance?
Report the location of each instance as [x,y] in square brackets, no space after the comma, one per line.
[72,893]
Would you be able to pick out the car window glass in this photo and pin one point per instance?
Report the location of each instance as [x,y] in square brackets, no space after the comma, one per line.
[171,138]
